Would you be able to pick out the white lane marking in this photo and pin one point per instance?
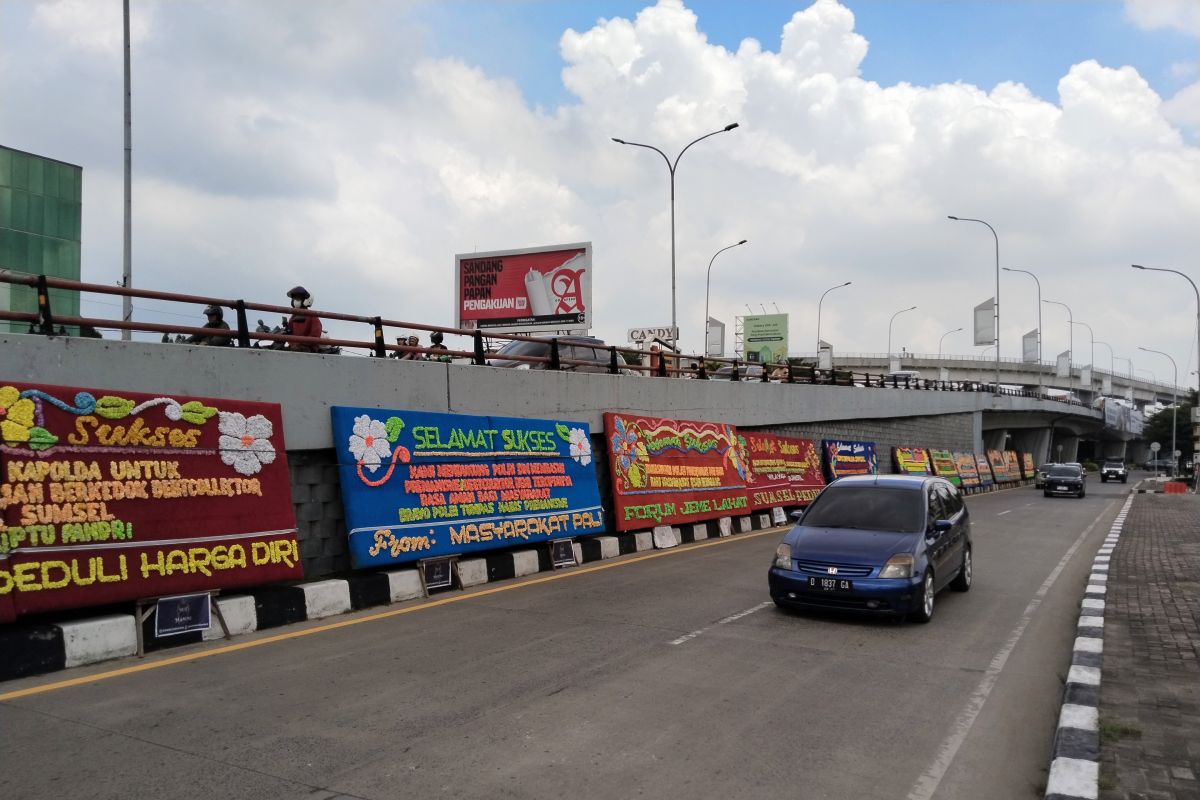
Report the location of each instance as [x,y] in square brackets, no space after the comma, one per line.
[731,618]
[1002,513]
[929,781]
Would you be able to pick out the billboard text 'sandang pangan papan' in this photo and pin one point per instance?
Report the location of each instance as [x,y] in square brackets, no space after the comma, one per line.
[532,289]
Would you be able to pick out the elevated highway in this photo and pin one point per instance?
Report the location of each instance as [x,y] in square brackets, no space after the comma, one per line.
[1013,372]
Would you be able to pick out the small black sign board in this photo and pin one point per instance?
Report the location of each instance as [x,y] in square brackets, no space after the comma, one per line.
[436,573]
[562,553]
[178,614]
[182,614]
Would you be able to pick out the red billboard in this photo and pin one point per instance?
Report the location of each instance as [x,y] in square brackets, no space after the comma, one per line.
[108,495]
[534,289]
[670,472]
[783,471]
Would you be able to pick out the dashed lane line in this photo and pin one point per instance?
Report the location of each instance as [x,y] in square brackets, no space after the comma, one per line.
[687,637]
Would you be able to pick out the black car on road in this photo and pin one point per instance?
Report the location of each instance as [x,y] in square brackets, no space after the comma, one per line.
[1065,479]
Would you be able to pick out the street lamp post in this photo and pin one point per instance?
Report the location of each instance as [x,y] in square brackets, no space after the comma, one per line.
[1070,343]
[1195,459]
[944,335]
[890,321]
[671,166]
[1174,406]
[819,302]
[996,320]
[707,284]
[1039,307]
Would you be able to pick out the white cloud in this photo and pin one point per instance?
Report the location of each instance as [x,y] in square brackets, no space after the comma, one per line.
[1183,15]
[91,26]
[284,143]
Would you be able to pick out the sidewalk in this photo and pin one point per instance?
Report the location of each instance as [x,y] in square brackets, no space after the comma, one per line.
[1150,692]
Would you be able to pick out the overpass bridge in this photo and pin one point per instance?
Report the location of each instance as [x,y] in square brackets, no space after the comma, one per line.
[1013,372]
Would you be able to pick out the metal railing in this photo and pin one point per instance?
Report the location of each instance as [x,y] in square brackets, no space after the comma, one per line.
[480,351]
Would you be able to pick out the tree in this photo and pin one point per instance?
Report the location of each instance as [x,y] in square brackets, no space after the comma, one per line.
[1158,429]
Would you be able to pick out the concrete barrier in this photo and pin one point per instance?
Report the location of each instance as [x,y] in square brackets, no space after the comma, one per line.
[326,598]
[87,641]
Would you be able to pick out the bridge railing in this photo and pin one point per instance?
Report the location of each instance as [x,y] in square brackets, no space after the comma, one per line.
[480,349]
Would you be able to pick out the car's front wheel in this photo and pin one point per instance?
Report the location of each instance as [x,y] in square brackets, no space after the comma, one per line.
[924,612]
[962,581]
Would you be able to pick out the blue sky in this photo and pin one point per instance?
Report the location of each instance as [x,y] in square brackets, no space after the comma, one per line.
[980,42]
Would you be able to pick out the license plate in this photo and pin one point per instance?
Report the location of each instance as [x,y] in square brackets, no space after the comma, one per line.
[830,584]
[1060,488]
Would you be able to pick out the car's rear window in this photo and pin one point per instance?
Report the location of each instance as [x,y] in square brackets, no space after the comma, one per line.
[1064,472]
[1114,465]
[871,508]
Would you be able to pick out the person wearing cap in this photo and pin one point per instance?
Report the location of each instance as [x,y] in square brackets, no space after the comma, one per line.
[301,324]
[215,320]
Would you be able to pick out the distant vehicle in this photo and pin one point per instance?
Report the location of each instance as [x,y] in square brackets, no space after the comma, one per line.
[577,348]
[1062,395]
[876,543]
[902,376]
[1114,471]
[1039,479]
[1065,479]
[752,372]
[1160,465]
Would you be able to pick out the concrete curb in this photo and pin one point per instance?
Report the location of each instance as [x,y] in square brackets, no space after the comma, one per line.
[42,648]
[1075,769]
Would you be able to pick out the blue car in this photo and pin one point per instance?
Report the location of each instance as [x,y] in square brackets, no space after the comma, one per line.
[883,544]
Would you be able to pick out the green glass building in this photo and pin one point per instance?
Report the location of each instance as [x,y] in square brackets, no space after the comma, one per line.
[40,213]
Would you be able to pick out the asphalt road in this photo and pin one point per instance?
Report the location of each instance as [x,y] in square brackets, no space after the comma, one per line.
[668,676]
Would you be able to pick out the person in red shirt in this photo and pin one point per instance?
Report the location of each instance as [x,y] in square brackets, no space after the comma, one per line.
[300,324]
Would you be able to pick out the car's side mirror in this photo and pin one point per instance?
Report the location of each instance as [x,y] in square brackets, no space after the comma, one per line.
[796,515]
[942,525]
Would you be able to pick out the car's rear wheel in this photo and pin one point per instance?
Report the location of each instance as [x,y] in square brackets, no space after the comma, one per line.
[962,581]
[924,612]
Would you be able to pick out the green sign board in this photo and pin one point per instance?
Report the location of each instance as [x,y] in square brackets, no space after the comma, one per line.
[766,337]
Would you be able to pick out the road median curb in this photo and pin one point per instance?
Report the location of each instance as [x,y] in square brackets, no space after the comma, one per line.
[1075,768]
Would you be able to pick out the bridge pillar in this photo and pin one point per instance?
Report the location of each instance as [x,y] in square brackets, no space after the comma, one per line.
[1069,444]
[995,439]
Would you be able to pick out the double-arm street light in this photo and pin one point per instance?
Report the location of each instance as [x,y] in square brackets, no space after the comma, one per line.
[944,335]
[819,302]
[1070,342]
[1195,461]
[1174,405]
[996,306]
[707,284]
[1039,308]
[890,321]
[671,166]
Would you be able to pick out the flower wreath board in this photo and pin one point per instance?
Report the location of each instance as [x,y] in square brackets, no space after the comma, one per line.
[672,472]
[108,495]
[418,485]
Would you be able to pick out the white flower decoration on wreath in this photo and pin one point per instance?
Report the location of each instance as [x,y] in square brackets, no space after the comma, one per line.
[369,443]
[581,446]
[245,442]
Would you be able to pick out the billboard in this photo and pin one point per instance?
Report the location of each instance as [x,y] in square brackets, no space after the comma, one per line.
[715,347]
[999,463]
[943,463]
[968,469]
[985,322]
[984,469]
[911,460]
[418,484]
[766,337]
[783,471]
[1028,469]
[1013,462]
[843,457]
[109,496]
[1029,347]
[670,472]
[534,289]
